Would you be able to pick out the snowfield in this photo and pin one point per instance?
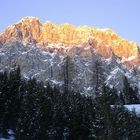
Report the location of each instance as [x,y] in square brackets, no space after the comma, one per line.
[10,135]
[131,107]
[134,107]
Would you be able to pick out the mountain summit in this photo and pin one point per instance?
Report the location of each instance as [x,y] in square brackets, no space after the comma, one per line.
[32,30]
[47,52]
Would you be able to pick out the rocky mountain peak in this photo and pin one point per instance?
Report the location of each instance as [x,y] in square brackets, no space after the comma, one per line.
[41,50]
[30,30]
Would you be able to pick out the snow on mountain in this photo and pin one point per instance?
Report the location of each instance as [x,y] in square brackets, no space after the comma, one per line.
[41,50]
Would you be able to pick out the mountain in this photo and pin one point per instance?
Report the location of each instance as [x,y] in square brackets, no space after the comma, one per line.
[82,57]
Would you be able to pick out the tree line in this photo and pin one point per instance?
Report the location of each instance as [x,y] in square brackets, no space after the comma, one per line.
[37,112]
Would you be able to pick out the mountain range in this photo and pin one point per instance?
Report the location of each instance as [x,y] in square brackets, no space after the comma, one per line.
[83,57]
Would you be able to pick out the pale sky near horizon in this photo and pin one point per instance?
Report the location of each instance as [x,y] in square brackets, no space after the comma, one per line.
[122,16]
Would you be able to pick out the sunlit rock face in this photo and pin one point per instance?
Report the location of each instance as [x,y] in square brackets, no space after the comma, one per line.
[32,30]
[40,49]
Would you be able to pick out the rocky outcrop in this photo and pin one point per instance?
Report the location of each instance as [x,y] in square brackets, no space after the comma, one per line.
[41,50]
[32,31]
[48,65]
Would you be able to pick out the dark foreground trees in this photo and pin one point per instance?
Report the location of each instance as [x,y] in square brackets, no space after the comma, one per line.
[35,112]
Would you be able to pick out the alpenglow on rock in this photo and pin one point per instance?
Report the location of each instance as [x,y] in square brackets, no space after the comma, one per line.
[46,50]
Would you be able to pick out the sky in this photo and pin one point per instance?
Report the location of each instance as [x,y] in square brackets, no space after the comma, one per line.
[122,16]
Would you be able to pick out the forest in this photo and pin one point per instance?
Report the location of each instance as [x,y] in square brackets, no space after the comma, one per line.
[37,112]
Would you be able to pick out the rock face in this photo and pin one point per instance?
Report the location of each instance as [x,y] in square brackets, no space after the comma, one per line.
[42,50]
[32,30]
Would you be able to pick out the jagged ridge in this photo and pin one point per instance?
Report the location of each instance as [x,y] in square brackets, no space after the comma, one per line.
[40,50]
[32,30]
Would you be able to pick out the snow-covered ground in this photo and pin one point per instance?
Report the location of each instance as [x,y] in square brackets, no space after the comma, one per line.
[10,138]
[133,107]
[10,135]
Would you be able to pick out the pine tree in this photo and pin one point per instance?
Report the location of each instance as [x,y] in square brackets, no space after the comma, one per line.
[3,100]
[121,98]
[130,95]
[10,96]
[104,101]
[98,76]
[67,73]
[124,124]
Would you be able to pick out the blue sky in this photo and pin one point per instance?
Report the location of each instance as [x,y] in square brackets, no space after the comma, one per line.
[123,16]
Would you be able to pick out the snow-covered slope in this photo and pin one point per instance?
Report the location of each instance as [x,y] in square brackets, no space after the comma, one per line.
[43,50]
[49,65]
[134,107]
